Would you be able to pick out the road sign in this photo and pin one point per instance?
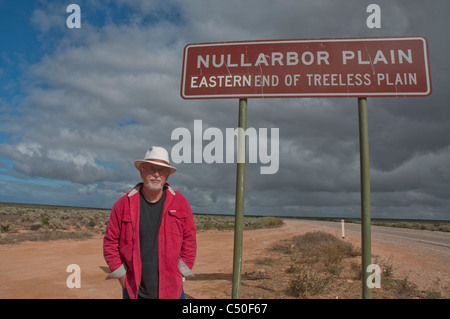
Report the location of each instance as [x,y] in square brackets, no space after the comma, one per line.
[350,67]
[346,67]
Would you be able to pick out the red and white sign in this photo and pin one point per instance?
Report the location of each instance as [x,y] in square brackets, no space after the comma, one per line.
[353,67]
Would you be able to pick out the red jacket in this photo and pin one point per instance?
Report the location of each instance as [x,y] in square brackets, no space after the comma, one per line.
[177,242]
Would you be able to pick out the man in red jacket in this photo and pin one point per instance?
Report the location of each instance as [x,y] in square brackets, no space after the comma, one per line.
[150,242]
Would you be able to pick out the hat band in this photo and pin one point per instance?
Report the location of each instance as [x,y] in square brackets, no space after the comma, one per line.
[157,160]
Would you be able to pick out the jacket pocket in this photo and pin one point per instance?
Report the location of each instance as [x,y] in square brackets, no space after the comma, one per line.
[175,222]
[174,237]
[126,240]
[127,232]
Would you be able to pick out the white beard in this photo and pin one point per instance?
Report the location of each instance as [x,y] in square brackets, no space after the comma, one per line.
[154,187]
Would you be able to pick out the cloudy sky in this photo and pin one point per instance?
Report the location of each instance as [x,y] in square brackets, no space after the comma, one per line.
[78,106]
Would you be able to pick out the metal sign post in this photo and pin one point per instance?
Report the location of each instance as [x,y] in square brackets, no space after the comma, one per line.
[365,195]
[239,206]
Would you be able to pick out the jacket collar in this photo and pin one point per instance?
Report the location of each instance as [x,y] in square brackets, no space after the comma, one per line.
[138,187]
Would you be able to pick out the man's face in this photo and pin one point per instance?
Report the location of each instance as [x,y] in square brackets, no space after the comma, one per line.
[154,176]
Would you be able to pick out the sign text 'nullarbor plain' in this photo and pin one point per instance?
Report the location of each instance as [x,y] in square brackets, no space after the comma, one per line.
[307,68]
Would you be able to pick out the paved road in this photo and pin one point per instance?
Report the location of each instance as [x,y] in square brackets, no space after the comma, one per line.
[439,241]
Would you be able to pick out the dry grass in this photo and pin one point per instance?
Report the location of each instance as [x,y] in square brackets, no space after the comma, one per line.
[225,222]
[24,222]
[27,222]
[319,265]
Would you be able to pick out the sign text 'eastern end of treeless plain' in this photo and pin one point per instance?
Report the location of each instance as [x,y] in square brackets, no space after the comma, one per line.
[353,67]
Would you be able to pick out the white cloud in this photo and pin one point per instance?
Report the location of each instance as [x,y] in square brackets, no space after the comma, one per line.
[49,18]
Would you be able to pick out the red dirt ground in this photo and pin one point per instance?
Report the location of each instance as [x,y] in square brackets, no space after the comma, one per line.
[39,269]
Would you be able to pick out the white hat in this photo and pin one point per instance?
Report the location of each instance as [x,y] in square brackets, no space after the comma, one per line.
[158,156]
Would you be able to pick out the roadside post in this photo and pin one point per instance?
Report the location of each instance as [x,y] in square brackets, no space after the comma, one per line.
[365,195]
[342,67]
[342,228]
[239,205]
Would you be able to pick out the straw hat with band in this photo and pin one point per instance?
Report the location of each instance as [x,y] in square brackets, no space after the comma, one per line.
[158,156]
